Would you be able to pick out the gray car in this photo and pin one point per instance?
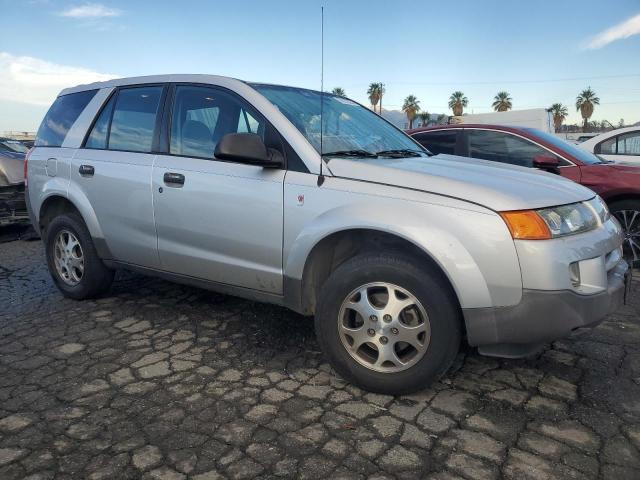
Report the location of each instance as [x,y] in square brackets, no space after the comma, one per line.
[314,202]
[12,203]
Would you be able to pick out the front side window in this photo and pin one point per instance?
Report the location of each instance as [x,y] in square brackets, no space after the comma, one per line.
[134,119]
[438,141]
[629,144]
[504,147]
[346,126]
[203,115]
[60,117]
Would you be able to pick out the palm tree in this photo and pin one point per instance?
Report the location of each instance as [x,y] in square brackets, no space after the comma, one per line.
[424,118]
[502,102]
[339,91]
[457,101]
[411,107]
[442,119]
[374,93]
[585,103]
[559,113]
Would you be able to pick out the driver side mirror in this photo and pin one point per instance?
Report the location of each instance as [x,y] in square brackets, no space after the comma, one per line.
[247,148]
[546,162]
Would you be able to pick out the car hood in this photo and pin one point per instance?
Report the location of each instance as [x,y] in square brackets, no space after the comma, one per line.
[494,185]
[11,168]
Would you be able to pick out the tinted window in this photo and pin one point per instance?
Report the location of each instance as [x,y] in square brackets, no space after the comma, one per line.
[60,117]
[504,148]
[98,136]
[134,119]
[203,115]
[608,147]
[438,142]
[629,144]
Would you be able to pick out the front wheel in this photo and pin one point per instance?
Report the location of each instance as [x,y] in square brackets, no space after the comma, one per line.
[627,212]
[388,323]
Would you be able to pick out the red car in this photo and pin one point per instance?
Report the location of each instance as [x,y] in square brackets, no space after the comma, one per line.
[618,185]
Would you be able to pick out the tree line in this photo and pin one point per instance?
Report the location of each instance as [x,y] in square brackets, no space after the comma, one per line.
[502,102]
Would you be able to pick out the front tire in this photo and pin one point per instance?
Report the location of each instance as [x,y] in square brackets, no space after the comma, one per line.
[627,212]
[72,259]
[388,323]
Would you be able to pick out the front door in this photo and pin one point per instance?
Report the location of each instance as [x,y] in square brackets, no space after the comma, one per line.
[217,220]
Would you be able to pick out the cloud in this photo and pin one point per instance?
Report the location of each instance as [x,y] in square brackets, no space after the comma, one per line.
[90,10]
[37,82]
[626,29]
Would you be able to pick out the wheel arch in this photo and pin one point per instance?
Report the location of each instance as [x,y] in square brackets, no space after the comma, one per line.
[332,250]
[57,204]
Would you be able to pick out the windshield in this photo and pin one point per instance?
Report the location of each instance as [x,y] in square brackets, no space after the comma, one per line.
[13,146]
[577,152]
[348,128]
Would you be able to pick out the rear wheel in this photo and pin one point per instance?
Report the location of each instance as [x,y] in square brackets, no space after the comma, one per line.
[73,262]
[388,323]
[628,214]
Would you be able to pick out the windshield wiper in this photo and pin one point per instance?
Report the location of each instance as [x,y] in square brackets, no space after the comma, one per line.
[400,153]
[351,153]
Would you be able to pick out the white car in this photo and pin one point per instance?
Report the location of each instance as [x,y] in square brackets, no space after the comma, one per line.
[621,145]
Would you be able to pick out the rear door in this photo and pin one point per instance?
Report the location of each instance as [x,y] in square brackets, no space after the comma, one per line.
[217,220]
[113,169]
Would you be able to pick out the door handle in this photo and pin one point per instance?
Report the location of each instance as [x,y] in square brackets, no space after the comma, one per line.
[173,179]
[86,170]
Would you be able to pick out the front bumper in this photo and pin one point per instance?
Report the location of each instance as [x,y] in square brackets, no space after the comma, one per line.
[13,208]
[542,316]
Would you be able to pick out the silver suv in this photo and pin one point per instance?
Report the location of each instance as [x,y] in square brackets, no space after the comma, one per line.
[314,202]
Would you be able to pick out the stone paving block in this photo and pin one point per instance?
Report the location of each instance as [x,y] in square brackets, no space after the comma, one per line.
[164,381]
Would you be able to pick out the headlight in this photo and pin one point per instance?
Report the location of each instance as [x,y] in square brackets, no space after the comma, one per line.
[569,219]
[556,222]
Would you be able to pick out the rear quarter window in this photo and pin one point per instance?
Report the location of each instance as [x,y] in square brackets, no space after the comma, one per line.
[60,117]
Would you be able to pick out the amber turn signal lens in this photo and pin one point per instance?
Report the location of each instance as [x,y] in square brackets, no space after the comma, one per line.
[526,225]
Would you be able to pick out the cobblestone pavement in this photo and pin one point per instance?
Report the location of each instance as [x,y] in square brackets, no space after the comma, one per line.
[162,381]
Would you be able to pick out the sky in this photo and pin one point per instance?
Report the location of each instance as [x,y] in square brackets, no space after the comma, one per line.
[540,52]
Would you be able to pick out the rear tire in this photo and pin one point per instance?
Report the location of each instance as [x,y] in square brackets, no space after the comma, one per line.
[72,259]
[628,214]
[413,289]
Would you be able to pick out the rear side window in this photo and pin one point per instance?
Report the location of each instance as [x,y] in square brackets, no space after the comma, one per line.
[98,136]
[438,142]
[60,117]
[134,119]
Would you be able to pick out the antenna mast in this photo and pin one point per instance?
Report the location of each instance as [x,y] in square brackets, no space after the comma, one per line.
[321,176]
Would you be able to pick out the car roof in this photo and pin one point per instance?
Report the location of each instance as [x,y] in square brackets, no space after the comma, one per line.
[609,134]
[168,78]
[504,128]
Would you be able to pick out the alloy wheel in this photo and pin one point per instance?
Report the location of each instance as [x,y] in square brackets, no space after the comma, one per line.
[630,221]
[384,327]
[68,258]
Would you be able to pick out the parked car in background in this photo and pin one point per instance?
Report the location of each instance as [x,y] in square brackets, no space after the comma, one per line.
[620,146]
[539,118]
[233,186]
[618,185]
[12,202]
